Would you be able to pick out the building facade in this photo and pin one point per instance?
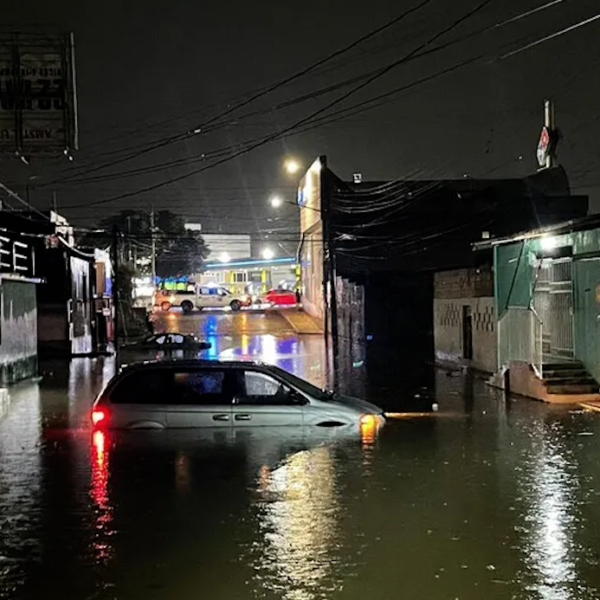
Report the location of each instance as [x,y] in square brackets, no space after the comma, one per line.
[392,237]
[464,318]
[251,275]
[65,298]
[18,309]
[547,302]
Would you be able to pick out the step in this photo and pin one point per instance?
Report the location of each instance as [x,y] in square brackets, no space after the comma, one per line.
[562,366]
[573,374]
[573,389]
[584,379]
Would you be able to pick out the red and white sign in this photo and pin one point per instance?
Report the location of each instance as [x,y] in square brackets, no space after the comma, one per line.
[544,146]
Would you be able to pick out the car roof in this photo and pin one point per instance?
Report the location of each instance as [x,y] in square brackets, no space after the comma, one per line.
[187,363]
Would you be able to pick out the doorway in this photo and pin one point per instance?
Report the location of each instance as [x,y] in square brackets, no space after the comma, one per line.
[467,323]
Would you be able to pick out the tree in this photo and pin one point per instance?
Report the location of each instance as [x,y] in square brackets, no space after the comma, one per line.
[179,252]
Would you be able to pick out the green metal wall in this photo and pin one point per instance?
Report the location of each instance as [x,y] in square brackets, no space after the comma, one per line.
[515,279]
[586,298]
[513,275]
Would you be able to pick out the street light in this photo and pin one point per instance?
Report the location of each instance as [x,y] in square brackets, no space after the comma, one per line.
[276,201]
[224,257]
[292,166]
[268,254]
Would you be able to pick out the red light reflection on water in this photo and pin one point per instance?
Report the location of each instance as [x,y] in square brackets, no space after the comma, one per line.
[103,510]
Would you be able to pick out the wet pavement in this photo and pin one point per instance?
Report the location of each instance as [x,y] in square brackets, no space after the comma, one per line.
[482,499]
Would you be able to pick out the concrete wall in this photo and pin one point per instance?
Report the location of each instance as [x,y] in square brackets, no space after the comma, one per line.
[453,291]
[18,330]
[312,272]
[80,326]
[448,332]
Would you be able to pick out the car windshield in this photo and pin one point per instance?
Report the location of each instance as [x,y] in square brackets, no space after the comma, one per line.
[302,385]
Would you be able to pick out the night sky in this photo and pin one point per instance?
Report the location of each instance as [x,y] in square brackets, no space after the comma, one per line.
[149,70]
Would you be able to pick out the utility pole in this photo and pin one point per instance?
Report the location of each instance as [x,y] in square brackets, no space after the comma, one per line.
[546,150]
[115,290]
[549,123]
[153,256]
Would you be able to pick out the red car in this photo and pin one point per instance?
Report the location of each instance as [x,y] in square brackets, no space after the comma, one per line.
[280,297]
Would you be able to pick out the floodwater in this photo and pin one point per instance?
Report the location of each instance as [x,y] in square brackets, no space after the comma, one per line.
[481,499]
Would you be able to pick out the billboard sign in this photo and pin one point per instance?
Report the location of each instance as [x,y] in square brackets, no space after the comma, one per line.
[38,111]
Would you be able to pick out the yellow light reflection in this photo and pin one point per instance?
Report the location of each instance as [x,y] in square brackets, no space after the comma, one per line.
[182,472]
[300,527]
[99,455]
[369,428]
[245,343]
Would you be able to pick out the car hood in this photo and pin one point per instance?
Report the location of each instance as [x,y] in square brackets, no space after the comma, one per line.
[356,403]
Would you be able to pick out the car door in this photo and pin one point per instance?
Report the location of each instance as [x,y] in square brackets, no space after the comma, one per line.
[262,399]
[199,397]
[222,297]
[203,297]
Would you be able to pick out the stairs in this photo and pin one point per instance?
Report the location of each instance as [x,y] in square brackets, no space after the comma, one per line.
[568,378]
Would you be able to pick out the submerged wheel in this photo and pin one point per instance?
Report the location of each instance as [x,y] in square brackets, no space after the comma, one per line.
[187,307]
[235,305]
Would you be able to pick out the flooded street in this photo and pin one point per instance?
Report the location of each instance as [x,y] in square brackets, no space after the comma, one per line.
[482,499]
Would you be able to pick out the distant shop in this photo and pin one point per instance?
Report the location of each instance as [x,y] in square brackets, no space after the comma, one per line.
[253,276]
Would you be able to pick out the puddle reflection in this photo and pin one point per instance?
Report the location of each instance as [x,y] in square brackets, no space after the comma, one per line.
[550,521]
[298,520]
[99,492]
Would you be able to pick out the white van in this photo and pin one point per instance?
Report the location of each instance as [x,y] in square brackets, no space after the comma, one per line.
[199,297]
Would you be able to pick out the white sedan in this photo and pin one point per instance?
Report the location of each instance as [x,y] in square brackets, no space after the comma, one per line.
[197,393]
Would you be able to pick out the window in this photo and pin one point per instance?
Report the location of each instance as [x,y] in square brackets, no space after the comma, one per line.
[142,387]
[205,387]
[263,389]
[239,277]
[165,386]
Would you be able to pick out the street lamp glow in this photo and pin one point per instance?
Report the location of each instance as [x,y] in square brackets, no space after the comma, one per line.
[276,201]
[292,166]
[268,254]
[224,257]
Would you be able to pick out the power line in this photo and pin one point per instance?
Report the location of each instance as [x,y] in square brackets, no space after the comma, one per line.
[216,153]
[384,71]
[551,36]
[199,128]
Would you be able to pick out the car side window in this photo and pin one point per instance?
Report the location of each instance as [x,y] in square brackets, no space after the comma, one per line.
[260,388]
[199,387]
[142,387]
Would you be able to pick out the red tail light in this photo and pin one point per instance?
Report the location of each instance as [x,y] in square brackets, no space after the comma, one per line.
[99,416]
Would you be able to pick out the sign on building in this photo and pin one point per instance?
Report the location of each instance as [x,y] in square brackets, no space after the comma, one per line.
[38,110]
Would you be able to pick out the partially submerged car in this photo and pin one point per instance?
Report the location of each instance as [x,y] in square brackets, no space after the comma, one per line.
[198,393]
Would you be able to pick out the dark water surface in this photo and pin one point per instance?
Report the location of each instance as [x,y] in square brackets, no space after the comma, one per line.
[481,500]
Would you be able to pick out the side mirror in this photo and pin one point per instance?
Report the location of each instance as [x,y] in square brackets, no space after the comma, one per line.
[296,398]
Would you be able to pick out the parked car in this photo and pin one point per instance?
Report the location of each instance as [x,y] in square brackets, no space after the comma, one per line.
[197,393]
[280,298]
[199,298]
[173,341]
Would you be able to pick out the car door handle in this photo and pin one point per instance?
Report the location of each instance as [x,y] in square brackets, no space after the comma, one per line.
[220,417]
[243,417]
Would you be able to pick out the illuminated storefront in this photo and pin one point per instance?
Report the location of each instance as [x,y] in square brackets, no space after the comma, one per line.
[255,276]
